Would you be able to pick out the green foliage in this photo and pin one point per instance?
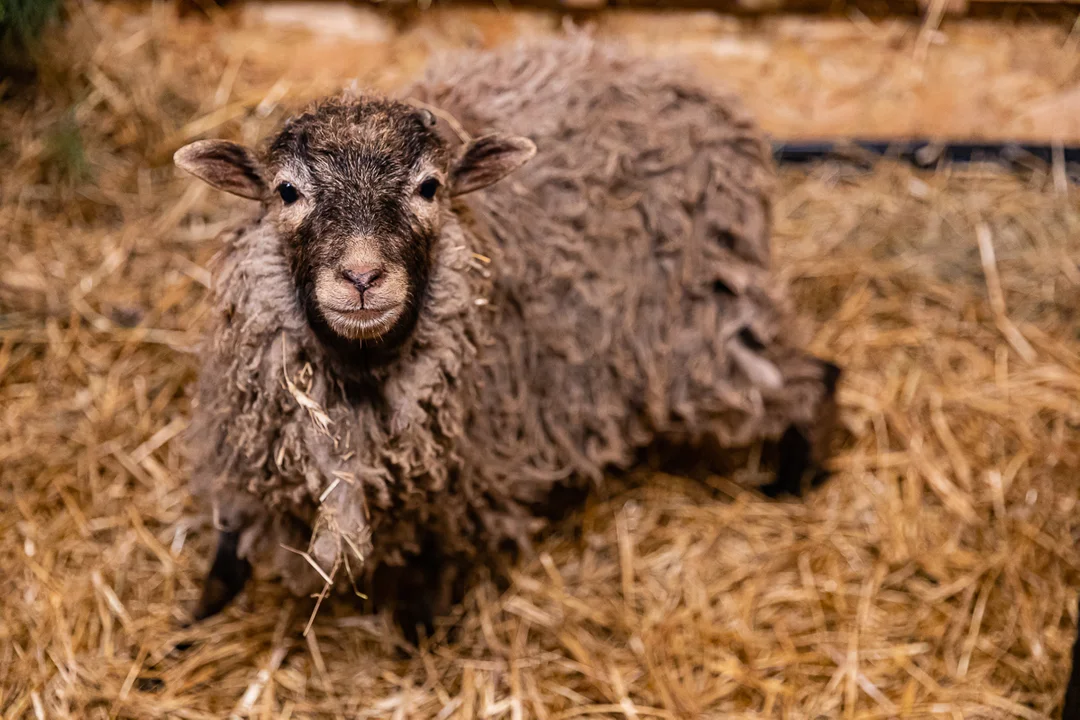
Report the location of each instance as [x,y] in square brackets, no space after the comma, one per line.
[24,20]
[21,24]
[65,152]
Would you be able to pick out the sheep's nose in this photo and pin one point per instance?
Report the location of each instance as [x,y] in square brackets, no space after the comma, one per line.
[362,277]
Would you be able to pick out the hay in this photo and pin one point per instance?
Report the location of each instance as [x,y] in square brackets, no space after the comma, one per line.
[935,576]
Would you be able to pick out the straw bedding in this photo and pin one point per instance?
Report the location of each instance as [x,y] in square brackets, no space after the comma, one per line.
[934,576]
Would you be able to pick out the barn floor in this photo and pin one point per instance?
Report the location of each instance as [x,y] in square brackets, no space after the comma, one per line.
[934,576]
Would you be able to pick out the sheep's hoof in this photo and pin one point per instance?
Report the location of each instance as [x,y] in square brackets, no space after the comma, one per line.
[802,451]
[795,460]
[228,575]
[414,618]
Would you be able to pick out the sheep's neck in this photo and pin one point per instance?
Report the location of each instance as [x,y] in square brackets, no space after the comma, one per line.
[358,361]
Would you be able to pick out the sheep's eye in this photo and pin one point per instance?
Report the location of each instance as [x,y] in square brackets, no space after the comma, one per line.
[288,193]
[428,188]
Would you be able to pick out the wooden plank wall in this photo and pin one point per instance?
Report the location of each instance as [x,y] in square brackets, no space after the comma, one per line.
[1005,9]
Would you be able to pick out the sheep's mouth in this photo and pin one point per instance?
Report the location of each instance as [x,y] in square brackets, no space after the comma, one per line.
[362,323]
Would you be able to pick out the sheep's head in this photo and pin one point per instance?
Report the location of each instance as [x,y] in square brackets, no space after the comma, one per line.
[359,190]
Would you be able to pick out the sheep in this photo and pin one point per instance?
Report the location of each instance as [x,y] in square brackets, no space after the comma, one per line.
[426,333]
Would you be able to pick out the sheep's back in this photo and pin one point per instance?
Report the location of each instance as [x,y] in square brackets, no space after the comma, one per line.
[620,138]
[627,255]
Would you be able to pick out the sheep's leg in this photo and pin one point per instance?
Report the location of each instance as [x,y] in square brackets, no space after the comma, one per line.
[426,594]
[228,575]
[804,450]
[794,461]
[418,593]
[1071,711]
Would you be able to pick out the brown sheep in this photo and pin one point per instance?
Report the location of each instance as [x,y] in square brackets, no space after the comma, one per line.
[407,359]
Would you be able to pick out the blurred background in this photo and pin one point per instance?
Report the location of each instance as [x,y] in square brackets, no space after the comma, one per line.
[934,576]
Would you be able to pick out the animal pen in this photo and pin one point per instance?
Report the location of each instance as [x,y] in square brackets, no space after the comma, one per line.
[934,575]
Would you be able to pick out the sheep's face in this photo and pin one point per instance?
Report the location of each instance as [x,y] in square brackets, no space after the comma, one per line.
[359,190]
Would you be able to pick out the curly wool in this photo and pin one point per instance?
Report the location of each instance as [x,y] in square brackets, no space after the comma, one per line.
[612,293]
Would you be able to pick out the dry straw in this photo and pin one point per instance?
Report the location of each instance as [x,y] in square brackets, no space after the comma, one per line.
[935,576]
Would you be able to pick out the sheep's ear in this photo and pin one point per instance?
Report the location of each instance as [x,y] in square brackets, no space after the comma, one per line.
[224,165]
[489,159]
